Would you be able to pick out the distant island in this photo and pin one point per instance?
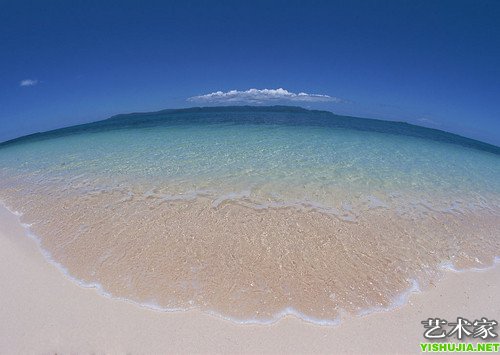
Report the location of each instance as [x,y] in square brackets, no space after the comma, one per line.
[294,115]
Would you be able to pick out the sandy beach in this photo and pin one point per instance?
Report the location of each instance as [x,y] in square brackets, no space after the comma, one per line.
[43,311]
[249,177]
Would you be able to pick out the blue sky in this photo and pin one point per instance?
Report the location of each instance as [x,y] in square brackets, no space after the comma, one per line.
[433,63]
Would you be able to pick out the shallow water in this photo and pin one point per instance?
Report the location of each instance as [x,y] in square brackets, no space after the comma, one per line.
[248,212]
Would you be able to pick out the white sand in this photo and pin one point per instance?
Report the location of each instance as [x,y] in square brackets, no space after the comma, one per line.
[42,311]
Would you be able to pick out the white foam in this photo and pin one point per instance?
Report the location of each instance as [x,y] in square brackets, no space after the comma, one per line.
[231,196]
[449,266]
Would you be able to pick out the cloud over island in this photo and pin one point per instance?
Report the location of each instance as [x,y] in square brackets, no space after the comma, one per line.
[258,96]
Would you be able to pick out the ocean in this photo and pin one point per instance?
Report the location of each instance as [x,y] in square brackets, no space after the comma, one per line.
[252,213]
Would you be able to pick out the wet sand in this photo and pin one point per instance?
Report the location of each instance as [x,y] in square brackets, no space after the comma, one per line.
[251,265]
[43,311]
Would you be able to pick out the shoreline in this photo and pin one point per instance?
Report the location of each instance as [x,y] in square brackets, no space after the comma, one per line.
[45,311]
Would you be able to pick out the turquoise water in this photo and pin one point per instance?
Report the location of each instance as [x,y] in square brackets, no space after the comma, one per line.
[274,157]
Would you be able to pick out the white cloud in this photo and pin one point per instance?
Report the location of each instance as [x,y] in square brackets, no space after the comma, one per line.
[257,96]
[28,82]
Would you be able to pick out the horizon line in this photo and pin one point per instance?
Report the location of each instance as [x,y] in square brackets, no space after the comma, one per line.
[16,139]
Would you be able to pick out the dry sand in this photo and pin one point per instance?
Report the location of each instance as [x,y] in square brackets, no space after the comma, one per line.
[43,311]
